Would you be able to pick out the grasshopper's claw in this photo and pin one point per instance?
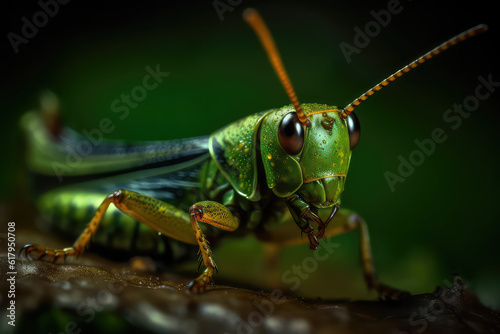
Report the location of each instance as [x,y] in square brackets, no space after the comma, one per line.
[37,252]
[321,232]
[30,250]
[25,249]
[199,285]
[313,241]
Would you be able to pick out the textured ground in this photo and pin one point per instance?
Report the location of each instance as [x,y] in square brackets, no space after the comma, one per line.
[118,299]
[95,295]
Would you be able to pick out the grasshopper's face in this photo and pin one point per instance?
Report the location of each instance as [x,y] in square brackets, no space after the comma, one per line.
[306,149]
[309,161]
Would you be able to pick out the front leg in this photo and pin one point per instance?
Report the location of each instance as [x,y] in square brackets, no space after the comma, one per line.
[217,215]
[346,221]
[302,215]
[343,222]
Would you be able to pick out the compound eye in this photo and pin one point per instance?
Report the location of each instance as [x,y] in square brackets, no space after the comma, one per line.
[354,129]
[291,134]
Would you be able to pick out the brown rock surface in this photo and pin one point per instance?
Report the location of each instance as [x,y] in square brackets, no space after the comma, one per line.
[111,298]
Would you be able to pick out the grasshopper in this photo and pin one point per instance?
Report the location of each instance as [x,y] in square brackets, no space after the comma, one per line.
[265,174]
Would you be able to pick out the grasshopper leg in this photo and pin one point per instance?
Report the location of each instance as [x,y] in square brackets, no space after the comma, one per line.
[346,221]
[38,252]
[343,222]
[217,215]
[162,217]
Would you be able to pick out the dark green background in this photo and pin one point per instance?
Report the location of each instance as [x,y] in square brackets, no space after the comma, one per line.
[441,220]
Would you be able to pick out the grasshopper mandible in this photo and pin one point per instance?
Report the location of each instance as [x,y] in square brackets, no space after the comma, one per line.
[263,174]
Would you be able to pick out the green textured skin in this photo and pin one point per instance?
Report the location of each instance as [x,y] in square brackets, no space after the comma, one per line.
[234,150]
[228,175]
[323,193]
[69,211]
[283,171]
[160,216]
[217,215]
[325,153]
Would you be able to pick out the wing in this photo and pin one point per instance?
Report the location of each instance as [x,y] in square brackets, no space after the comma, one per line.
[72,158]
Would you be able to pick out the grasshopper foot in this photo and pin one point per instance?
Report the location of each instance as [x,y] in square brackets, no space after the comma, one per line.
[199,285]
[313,241]
[41,253]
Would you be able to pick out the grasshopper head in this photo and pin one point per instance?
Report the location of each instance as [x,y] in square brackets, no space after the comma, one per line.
[309,161]
[306,149]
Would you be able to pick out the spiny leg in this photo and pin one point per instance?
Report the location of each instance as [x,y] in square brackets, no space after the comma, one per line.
[343,221]
[303,216]
[158,215]
[38,252]
[217,215]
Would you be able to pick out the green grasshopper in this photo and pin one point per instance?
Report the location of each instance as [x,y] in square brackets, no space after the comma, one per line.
[263,174]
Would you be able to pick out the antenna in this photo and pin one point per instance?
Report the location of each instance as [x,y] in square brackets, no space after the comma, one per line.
[253,18]
[459,38]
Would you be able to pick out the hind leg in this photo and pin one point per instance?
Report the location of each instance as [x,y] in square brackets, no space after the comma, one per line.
[158,215]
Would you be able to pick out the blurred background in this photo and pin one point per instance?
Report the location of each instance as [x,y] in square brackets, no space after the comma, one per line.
[441,220]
